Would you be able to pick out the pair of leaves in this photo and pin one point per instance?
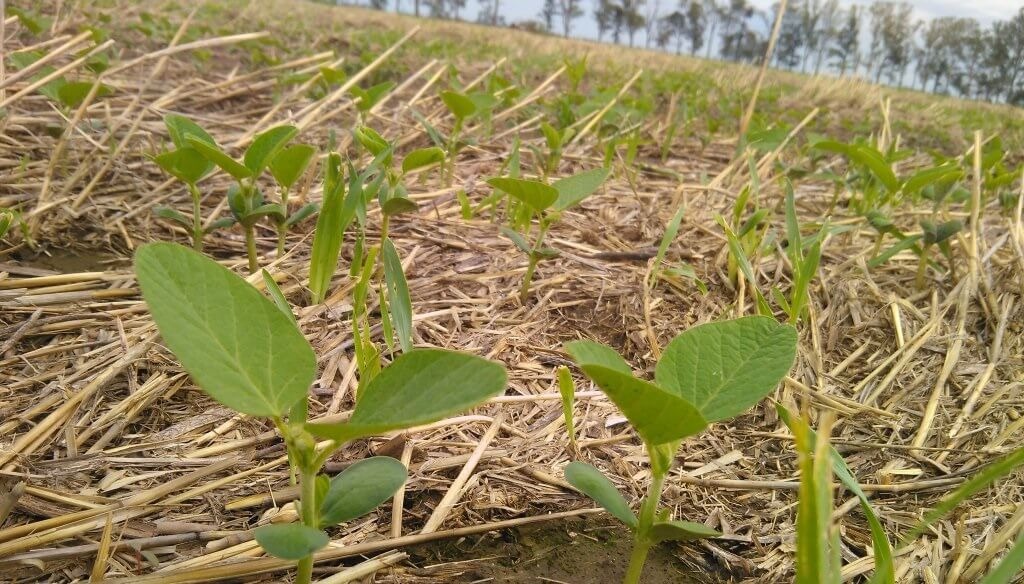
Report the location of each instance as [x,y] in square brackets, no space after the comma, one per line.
[708,373]
[257,156]
[561,195]
[355,492]
[245,353]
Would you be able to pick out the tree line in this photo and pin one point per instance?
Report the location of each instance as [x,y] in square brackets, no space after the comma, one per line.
[882,41]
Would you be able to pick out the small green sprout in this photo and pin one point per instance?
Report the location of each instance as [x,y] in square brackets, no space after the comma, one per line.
[6,220]
[709,373]
[369,97]
[245,198]
[546,203]
[243,351]
[186,164]
[287,167]
[556,140]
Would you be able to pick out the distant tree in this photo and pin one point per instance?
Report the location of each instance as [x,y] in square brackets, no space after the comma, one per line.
[892,39]
[631,19]
[569,10]
[696,22]
[490,12]
[940,57]
[651,18]
[604,15]
[789,45]
[735,26]
[1004,59]
[846,43]
[713,16]
[828,21]
[547,14]
[379,4]
[673,27]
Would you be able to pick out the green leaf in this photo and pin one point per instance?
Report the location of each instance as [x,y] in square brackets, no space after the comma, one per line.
[231,339]
[551,136]
[681,531]
[330,229]
[185,164]
[180,128]
[304,211]
[573,189]
[419,387]
[265,147]
[398,294]
[517,239]
[567,390]
[360,488]
[290,541]
[903,244]
[290,163]
[217,156]
[173,215]
[724,368]
[592,483]
[657,415]
[671,230]
[368,138]
[73,93]
[460,105]
[221,223]
[534,193]
[277,296]
[422,158]
[591,353]
[399,205]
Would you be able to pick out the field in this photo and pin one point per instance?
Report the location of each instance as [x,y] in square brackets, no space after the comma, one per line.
[883,225]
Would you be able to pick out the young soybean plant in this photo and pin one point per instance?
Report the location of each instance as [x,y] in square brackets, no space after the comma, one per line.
[246,353]
[546,203]
[186,164]
[709,373]
[245,197]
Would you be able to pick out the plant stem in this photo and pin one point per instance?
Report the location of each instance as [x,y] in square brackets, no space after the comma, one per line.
[282,228]
[250,248]
[642,543]
[197,219]
[524,289]
[308,503]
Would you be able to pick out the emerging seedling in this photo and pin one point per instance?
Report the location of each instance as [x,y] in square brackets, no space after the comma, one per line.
[546,203]
[709,373]
[245,199]
[287,168]
[189,166]
[246,353]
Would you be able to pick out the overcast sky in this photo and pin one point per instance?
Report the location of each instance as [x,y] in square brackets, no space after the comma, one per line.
[985,11]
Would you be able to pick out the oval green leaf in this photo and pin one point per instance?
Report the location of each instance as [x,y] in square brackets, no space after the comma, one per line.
[290,541]
[460,105]
[217,156]
[265,147]
[534,193]
[360,488]
[290,163]
[575,188]
[592,483]
[656,414]
[681,531]
[724,368]
[180,128]
[234,342]
[422,158]
[186,164]
[419,387]
[399,205]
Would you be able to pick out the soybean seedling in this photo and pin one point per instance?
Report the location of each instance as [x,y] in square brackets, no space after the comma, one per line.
[462,108]
[287,167]
[546,203]
[708,373]
[186,164]
[246,353]
[245,199]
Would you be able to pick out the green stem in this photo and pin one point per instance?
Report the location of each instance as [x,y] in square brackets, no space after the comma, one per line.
[642,543]
[197,219]
[524,288]
[250,248]
[922,268]
[308,504]
[282,228]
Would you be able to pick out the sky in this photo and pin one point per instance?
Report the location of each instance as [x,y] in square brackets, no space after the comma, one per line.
[986,11]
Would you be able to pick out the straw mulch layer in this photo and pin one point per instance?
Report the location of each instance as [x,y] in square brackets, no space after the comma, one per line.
[112,464]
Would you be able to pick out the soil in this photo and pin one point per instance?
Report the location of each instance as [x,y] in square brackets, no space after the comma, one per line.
[583,551]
